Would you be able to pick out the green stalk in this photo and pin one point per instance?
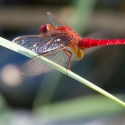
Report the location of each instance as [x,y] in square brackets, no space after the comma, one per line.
[12,46]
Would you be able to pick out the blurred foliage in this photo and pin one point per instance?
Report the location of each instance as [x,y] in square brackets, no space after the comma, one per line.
[38,2]
[3,103]
[80,108]
[5,115]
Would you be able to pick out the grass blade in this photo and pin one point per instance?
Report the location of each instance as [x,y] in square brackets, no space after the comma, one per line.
[12,46]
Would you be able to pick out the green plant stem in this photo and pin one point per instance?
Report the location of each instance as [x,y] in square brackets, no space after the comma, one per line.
[28,53]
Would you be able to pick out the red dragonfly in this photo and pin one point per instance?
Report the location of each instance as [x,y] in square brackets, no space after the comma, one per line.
[59,43]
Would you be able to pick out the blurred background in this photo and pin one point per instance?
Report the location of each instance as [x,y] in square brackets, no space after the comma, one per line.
[54,98]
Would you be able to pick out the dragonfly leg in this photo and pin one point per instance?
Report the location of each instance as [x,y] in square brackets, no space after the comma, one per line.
[69,54]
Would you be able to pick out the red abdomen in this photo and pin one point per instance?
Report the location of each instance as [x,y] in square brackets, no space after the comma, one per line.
[87,43]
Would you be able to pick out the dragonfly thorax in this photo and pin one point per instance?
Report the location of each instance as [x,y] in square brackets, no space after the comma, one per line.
[74,41]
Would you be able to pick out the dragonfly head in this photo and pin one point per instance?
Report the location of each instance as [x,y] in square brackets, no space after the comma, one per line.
[45,28]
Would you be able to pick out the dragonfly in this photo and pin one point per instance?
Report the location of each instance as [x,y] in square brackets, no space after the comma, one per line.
[59,43]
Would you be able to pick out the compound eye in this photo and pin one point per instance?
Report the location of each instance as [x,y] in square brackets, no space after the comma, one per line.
[45,28]
[49,27]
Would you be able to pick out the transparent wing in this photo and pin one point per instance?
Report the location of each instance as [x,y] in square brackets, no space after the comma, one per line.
[54,21]
[43,44]
[49,46]
[34,67]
